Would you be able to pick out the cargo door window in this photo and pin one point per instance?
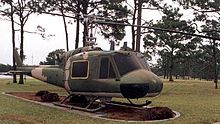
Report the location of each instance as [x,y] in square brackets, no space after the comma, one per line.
[106,69]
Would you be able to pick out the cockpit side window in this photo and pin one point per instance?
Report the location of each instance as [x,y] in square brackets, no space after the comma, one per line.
[80,69]
[106,69]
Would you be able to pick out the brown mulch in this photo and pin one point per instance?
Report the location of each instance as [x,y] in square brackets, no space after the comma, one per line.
[116,112]
[31,96]
[26,95]
[129,114]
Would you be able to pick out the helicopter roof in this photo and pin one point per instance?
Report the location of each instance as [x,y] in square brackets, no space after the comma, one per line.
[93,51]
[82,49]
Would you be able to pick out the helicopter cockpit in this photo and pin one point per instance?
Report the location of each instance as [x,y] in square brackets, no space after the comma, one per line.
[129,62]
[143,61]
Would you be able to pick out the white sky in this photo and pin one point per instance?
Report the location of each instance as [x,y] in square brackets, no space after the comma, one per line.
[36,49]
[34,45]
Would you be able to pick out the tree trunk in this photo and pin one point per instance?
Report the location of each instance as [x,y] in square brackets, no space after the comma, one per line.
[189,68]
[138,37]
[77,34]
[21,80]
[85,32]
[171,67]
[165,73]
[215,65]
[77,27]
[65,26]
[13,42]
[133,23]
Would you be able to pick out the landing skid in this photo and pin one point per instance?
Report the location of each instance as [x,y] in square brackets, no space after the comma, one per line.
[80,108]
[94,106]
[88,108]
[129,105]
[140,105]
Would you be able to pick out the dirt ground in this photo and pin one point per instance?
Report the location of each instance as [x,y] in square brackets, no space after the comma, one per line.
[117,112]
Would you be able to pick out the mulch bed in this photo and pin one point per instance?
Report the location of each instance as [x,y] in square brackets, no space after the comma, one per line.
[116,112]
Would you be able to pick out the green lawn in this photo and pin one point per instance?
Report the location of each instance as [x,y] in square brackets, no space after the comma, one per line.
[197,101]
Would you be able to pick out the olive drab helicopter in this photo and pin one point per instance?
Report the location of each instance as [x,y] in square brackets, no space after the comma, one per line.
[95,74]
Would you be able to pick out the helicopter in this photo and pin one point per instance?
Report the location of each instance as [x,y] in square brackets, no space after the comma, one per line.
[94,74]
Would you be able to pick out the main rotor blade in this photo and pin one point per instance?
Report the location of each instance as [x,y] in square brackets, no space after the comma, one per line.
[100,20]
[156,28]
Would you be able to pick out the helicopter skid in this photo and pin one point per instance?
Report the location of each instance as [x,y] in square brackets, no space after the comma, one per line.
[81,104]
[129,105]
[80,108]
[93,105]
[102,106]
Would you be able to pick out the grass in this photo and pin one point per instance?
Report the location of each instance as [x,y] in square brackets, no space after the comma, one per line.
[197,101]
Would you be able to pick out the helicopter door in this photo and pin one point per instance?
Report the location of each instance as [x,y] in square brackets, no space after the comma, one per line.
[106,69]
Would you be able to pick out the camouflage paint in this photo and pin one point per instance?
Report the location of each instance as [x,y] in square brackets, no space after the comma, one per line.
[92,85]
[38,74]
[54,76]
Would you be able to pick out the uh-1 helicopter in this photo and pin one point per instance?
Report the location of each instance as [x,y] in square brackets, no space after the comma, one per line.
[95,74]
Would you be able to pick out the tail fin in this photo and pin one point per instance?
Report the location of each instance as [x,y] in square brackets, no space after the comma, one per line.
[17,58]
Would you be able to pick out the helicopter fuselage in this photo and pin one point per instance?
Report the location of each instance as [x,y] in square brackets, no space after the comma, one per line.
[101,73]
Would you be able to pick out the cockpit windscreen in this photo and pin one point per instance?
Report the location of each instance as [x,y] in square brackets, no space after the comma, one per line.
[126,63]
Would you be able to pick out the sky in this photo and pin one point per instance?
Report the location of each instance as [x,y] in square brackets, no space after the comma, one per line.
[36,48]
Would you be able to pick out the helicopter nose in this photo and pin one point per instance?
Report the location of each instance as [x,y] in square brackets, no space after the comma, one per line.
[134,90]
[141,83]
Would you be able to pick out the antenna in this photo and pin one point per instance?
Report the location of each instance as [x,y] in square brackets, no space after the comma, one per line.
[32,59]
